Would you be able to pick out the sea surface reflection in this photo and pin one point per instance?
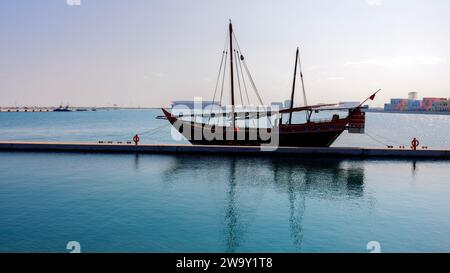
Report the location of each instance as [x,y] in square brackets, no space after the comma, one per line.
[198,203]
[296,179]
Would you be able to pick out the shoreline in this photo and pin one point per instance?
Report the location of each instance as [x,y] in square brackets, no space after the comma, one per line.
[407,112]
[51,109]
[128,147]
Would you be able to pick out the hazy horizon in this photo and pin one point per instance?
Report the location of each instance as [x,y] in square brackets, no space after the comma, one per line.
[148,53]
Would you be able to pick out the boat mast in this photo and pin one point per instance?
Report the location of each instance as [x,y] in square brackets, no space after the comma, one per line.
[231,77]
[293,86]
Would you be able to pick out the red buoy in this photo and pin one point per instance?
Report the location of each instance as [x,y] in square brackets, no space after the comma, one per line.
[136,139]
[414,143]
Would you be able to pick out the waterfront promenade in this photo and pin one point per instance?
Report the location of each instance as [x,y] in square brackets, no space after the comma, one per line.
[124,147]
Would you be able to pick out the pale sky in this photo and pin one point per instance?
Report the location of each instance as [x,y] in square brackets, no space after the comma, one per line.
[148,53]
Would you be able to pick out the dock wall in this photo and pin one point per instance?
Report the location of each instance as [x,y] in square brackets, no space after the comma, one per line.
[207,149]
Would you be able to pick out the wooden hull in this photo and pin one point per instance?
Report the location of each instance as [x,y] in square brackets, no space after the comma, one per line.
[316,139]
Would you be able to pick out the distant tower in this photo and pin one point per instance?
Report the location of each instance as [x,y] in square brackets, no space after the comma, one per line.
[412,95]
[287,104]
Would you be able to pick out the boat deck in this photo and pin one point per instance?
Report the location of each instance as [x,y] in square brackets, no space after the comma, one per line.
[87,147]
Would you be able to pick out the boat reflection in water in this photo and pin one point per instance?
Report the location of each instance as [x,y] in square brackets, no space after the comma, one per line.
[296,179]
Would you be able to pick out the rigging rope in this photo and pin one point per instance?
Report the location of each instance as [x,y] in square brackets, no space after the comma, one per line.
[222,64]
[224,52]
[153,130]
[248,72]
[250,77]
[301,78]
[223,77]
[252,82]
[218,76]
[243,79]
[238,78]
[384,138]
[244,83]
[373,138]
[126,137]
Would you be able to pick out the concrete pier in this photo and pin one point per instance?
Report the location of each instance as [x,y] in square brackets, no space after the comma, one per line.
[86,147]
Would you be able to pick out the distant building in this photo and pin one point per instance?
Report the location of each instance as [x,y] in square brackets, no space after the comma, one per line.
[287,104]
[278,105]
[414,105]
[440,106]
[427,103]
[397,105]
[387,107]
[348,104]
[412,96]
[190,103]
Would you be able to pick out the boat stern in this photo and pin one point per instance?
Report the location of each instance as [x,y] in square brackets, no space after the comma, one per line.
[357,121]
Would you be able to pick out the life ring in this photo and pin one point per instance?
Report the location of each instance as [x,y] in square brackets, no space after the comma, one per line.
[414,143]
[136,139]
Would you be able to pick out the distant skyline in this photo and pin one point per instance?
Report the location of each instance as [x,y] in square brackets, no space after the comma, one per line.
[148,53]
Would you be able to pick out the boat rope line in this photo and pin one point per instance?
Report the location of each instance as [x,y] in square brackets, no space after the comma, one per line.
[242,75]
[247,70]
[301,78]
[218,75]
[223,77]
[153,130]
[224,54]
[377,137]
[382,137]
[150,132]
[254,86]
[252,82]
[238,78]
[376,140]
[241,59]
[238,58]
[217,82]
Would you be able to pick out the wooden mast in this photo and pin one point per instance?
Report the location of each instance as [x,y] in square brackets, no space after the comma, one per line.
[293,86]
[232,79]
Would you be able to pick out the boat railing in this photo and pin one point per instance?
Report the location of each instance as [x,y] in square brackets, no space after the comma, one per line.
[321,120]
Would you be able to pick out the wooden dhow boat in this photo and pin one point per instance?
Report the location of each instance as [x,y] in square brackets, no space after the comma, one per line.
[232,126]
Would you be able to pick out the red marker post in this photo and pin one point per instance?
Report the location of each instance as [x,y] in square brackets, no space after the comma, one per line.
[136,139]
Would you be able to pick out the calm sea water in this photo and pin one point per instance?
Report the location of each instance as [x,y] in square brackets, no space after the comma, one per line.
[164,203]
